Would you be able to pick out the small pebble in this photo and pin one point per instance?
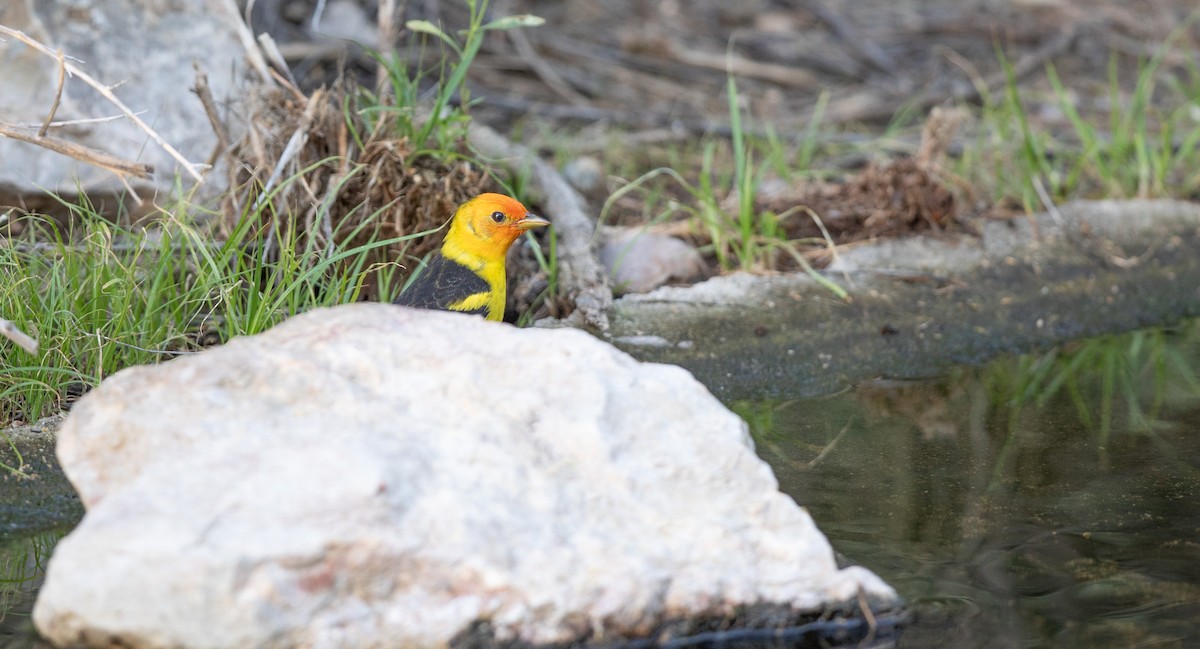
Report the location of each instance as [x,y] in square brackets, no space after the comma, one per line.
[584,174]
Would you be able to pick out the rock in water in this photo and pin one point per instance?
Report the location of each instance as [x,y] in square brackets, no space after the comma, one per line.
[375,476]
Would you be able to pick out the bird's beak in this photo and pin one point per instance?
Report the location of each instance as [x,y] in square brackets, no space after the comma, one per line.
[530,222]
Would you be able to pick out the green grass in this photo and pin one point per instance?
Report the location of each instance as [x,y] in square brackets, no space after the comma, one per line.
[440,131]
[103,297]
[720,199]
[1144,145]
[114,297]
[548,263]
[455,73]
[1137,138]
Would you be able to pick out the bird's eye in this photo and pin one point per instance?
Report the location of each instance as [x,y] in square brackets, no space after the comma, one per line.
[498,217]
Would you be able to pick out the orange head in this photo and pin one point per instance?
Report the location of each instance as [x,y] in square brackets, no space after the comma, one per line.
[487,225]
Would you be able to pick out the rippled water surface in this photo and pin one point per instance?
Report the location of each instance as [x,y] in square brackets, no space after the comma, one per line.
[1045,501]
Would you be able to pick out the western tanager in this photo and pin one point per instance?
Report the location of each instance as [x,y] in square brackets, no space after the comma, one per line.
[467,274]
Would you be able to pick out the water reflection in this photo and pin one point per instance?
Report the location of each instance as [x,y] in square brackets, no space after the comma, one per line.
[22,568]
[1040,501]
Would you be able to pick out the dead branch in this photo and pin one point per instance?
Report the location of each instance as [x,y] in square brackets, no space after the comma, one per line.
[22,339]
[45,247]
[95,157]
[81,121]
[387,19]
[740,66]
[204,93]
[279,65]
[253,54]
[868,105]
[295,143]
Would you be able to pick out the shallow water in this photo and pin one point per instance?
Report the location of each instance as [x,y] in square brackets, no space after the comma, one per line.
[1008,523]
[1038,501]
[22,567]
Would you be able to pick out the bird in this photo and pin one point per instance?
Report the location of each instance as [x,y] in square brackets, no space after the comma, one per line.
[467,273]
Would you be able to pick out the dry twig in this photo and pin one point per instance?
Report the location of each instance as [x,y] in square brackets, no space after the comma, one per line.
[865,607]
[740,66]
[22,339]
[869,104]
[279,65]
[253,54]
[204,92]
[62,77]
[388,33]
[96,157]
[295,143]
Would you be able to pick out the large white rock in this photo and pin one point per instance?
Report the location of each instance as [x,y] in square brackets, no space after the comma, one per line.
[375,476]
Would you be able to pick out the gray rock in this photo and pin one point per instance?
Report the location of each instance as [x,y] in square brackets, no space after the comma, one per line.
[348,20]
[639,261]
[145,48]
[374,476]
[585,174]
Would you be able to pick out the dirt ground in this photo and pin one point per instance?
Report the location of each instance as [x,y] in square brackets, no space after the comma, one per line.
[657,63]
[655,73]
[662,64]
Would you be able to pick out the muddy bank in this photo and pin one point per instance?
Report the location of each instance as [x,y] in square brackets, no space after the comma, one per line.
[918,306]
[37,497]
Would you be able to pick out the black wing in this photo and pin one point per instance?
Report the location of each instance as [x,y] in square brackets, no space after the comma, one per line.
[442,283]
